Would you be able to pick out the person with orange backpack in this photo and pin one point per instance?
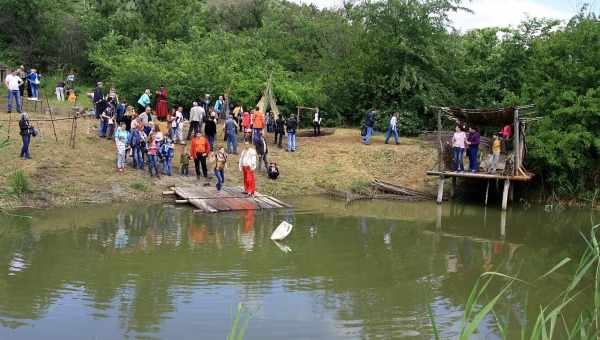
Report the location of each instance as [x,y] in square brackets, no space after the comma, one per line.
[199,150]
[258,124]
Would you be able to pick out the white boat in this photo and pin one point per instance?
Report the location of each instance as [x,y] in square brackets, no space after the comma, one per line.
[282,231]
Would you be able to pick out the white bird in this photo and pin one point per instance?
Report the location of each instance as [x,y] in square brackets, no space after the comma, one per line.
[282,231]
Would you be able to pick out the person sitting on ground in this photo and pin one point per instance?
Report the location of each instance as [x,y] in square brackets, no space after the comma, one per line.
[220,165]
[121,138]
[262,150]
[291,125]
[496,149]
[273,171]
[184,162]
[247,165]
[392,129]
[199,149]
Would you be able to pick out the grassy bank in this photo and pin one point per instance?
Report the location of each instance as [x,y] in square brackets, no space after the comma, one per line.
[61,176]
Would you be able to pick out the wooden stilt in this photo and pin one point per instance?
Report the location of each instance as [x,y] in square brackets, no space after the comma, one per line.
[440,195]
[511,193]
[453,188]
[503,224]
[505,194]
[51,117]
[487,192]
[438,221]
[8,129]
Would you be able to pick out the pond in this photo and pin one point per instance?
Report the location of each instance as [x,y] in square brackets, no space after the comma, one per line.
[369,270]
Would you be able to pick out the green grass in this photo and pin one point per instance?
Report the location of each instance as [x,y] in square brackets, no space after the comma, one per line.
[18,183]
[551,321]
[140,186]
[238,331]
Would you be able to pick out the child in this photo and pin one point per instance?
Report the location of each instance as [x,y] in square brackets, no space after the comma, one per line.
[167,152]
[72,96]
[496,148]
[220,164]
[185,162]
[273,171]
[121,138]
[152,154]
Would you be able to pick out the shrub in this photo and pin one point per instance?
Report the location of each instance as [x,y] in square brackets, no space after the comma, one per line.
[18,183]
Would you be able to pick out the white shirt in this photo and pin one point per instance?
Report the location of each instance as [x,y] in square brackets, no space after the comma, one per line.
[178,119]
[197,113]
[317,118]
[459,140]
[393,122]
[248,158]
[13,82]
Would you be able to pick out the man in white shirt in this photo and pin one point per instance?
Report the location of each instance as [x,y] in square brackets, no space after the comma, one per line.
[392,129]
[317,123]
[196,117]
[12,83]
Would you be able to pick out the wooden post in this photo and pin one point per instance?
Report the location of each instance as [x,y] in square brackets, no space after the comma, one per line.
[505,194]
[487,191]
[438,221]
[51,117]
[440,195]
[517,143]
[440,144]
[503,224]
[9,121]
[453,188]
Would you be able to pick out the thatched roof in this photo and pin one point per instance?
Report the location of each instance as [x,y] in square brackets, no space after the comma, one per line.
[481,117]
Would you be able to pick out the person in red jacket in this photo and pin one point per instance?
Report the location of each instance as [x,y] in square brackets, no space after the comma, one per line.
[199,150]
[162,105]
[246,125]
[258,124]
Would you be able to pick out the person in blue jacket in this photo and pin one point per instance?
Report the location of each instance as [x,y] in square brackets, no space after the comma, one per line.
[369,123]
[34,82]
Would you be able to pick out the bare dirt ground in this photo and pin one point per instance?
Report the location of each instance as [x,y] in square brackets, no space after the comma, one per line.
[62,176]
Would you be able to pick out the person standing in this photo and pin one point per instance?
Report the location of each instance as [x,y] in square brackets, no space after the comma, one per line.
[392,129]
[279,130]
[34,80]
[473,141]
[231,129]
[23,76]
[458,148]
[121,138]
[152,157]
[247,165]
[98,100]
[317,123]
[162,105]
[60,90]
[258,124]
[13,84]
[199,150]
[496,149]
[145,120]
[220,164]
[196,117]
[369,123]
[144,101]
[25,132]
[262,149]
[105,117]
[247,125]
[206,102]
[210,130]
[136,143]
[177,126]
[218,108]
[291,126]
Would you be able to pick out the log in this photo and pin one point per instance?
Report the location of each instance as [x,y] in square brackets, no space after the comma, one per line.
[399,190]
[182,201]
[168,193]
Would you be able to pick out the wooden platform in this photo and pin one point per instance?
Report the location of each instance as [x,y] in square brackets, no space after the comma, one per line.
[209,200]
[479,175]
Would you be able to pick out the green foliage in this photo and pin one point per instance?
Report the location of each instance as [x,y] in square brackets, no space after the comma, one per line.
[18,183]
[140,186]
[238,331]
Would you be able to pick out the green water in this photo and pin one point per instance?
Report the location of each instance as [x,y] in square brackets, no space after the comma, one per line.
[365,271]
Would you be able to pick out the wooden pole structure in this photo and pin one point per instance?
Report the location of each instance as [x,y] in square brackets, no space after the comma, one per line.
[517,143]
[8,129]
[440,195]
[505,194]
[487,192]
[51,117]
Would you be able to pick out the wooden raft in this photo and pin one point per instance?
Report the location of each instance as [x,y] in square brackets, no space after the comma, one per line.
[209,200]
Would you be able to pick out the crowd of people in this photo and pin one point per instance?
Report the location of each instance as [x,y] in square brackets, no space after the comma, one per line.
[148,135]
[463,142]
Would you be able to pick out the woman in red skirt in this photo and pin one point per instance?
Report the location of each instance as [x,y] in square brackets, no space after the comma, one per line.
[162,105]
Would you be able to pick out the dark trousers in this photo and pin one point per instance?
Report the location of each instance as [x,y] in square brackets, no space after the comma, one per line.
[200,161]
[25,148]
[473,158]
[194,127]
[458,154]
[278,138]
[317,128]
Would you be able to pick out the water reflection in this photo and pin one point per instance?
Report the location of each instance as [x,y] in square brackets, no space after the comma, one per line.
[161,271]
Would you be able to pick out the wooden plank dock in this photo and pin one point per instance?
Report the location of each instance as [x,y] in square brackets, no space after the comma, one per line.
[209,200]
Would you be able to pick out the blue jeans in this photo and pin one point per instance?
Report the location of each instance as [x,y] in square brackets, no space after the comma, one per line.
[473,159]
[25,148]
[138,158]
[153,165]
[458,154]
[34,90]
[231,143]
[167,166]
[256,134]
[102,128]
[367,138]
[211,141]
[220,175]
[291,141]
[17,95]
[391,132]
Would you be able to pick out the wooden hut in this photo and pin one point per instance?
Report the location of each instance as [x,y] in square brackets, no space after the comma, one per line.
[3,71]
[513,169]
